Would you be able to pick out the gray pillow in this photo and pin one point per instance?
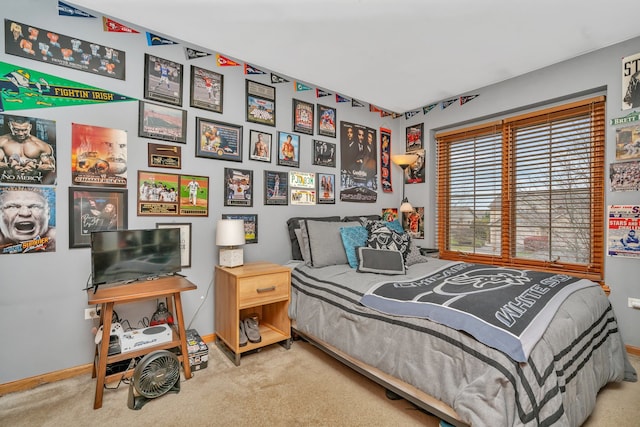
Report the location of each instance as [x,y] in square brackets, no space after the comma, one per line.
[414,256]
[325,242]
[303,241]
[293,224]
[381,261]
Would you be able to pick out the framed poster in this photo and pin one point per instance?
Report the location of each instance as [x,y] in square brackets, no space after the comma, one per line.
[238,187]
[324,153]
[628,143]
[185,240]
[326,188]
[162,80]
[95,209]
[327,119]
[162,122]
[414,135]
[260,146]
[413,223]
[276,188]
[164,156]
[302,117]
[261,103]
[98,156]
[288,149]
[217,140]
[358,163]
[206,89]
[250,226]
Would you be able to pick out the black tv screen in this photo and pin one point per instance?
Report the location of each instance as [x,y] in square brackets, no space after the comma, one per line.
[129,255]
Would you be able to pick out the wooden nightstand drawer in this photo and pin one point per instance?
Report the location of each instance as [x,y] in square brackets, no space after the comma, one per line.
[263,289]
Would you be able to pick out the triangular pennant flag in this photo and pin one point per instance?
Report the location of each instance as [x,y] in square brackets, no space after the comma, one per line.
[384,113]
[428,108]
[112,26]
[448,102]
[225,62]
[465,99]
[340,98]
[156,40]
[67,10]
[396,115]
[23,89]
[250,69]
[193,54]
[320,93]
[410,114]
[356,103]
[299,87]
[374,109]
[278,79]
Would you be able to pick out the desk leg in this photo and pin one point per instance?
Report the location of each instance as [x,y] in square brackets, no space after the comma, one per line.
[103,353]
[183,336]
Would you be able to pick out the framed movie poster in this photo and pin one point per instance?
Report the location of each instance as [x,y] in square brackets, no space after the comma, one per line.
[324,153]
[185,240]
[327,119]
[302,117]
[326,188]
[250,226]
[217,140]
[414,135]
[276,188]
[164,156]
[95,209]
[98,156]
[261,103]
[162,122]
[260,145]
[162,80]
[288,149]
[206,89]
[238,187]
[358,163]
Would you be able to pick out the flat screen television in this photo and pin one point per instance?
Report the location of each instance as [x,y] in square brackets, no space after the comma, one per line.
[130,255]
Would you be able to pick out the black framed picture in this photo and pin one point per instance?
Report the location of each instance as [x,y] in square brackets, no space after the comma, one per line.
[218,140]
[261,103]
[206,89]
[276,188]
[161,122]
[185,240]
[162,80]
[326,188]
[415,136]
[250,226]
[260,146]
[288,149]
[95,209]
[303,117]
[327,119]
[324,153]
[238,187]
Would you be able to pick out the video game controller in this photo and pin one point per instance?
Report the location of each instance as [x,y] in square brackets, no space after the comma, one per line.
[116,329]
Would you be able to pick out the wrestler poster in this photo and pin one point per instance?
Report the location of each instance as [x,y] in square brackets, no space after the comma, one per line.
[27,150]
[98,156]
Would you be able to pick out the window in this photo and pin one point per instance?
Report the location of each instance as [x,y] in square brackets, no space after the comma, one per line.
[526,191]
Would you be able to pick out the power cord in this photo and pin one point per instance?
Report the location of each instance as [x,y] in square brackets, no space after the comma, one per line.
[201,304]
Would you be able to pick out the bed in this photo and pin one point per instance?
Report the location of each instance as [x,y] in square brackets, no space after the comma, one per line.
[442,369]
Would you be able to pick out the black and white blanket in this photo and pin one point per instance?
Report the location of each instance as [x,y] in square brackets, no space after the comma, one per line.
[504,308]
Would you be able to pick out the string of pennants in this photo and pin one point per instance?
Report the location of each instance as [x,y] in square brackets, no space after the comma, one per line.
[110,25]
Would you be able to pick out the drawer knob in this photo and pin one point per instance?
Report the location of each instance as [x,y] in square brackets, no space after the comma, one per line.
[269,289]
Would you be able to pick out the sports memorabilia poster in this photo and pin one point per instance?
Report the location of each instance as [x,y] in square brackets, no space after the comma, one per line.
[631,81]
[98,156]
[623,226]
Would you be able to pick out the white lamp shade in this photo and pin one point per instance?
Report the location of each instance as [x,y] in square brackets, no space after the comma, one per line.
[404,160]
[230,232]
[406,207]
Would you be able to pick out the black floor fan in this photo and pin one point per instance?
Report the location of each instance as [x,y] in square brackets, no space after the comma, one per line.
[156,374]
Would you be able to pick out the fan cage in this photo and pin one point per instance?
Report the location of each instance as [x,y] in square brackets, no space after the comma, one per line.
[156,374]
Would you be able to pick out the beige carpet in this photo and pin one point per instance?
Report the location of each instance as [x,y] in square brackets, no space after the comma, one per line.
[275,387]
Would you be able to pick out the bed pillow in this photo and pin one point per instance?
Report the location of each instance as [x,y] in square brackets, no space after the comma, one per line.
[352,237]
[394,225]
[303,242]
[293,224]
[381,261]
[325,243]
[362,219]
[382,237]
[414,256]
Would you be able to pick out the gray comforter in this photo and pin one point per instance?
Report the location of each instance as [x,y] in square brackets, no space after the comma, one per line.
[580,352]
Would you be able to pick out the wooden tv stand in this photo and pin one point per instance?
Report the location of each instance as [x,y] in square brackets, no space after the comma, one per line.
[107,297]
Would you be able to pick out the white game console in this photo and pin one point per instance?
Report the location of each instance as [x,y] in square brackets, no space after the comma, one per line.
[137,339]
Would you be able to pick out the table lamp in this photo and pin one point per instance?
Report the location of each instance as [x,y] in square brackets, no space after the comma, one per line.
[229,235]
[404,161]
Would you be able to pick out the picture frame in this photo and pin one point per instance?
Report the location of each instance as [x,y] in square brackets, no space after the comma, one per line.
[164,156]
[238,187]
[327,118]
[162,122]
[276,188]
[288,149]
[185,240]
[162,80]
[303,196]
[303,120]
[261,103]
[95,209]
[206,90]
[250,226]
[324,153]
[218,140]
[413,222]
[415,137]
[170,194]
[302,179]
[326,191]
[260,146]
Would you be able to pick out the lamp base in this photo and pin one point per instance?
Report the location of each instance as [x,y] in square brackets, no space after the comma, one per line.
[231,257]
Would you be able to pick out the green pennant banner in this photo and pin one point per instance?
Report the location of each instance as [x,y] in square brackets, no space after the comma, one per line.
[22,88]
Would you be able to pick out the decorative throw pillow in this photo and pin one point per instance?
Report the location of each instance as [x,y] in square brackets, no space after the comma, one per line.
[414,256]
[325,243]
[394,225]
[381,261]
[382,237]
[352,237]
[293,224]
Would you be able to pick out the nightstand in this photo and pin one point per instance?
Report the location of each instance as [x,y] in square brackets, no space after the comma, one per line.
[260,288]
[430,252]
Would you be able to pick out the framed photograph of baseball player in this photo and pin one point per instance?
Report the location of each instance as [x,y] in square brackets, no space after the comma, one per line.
[185,240]
[217,140]
[238,187]
[162,80]
[261,103]
[161,122]
[628,143]
[303,117]
[250,226]
[95,209]
[206,89]
[194,195]
[324,153]
[158,194]
[326,121]
[276,188]
[260,143]
[288,149]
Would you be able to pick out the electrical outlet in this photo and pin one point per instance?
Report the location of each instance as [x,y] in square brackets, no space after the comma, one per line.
[634,303]
[90,313]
